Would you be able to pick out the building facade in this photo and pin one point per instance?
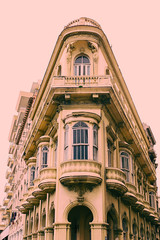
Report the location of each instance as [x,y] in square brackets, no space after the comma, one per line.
[82,164]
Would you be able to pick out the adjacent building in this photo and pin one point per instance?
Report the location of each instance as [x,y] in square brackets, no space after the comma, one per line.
[81,164]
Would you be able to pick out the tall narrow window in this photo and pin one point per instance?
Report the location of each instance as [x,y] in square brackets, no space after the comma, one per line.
[44,157]
[82,66]
[55,153]
[125,228]
[95,142]
[141,231]
[37,164]
[125,164]
[109,144]
[80,141]
[134,229]
[66,142]
[32,176]
[152,199]
[132,171]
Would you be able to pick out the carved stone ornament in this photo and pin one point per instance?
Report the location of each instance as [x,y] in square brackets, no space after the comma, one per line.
[81,188]
[92,47]
[70,49]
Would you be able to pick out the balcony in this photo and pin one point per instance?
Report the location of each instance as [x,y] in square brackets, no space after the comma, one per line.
[115,181]
[9,194]
[81,81]
[37,192]
[48,179]
[10,161]
[80,171]
[7,187]
[5,201]
[30,198]
[138,205]
[130,196]
[23,210]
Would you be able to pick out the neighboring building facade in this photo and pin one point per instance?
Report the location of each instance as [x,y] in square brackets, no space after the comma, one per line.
[82,165]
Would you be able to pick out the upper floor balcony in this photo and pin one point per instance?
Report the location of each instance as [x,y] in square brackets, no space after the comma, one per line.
[47,179]
[81,81]
[80,171]
[115,180]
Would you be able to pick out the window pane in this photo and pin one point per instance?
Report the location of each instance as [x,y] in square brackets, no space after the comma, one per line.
[82,152]
[82,135]
[79,150]
[84,70]
[78,60]
[74,136]
[86,136]
[88,70]
[78,136]
[86,152]
[85,59]
[79,71]
[75,70]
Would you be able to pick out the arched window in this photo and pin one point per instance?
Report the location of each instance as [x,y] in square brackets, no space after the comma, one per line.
[127,165]
[109,145]
[95,142]
[125,228]
[66,142]
[44,157]
[82,66]
[142,231]
[37,164]
[80,141]
[152,199]
[32,176]
[134,229]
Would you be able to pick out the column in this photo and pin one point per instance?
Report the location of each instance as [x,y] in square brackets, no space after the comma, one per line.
[34,234]
[61,231]
[48,229]
[40,231]
[98,231]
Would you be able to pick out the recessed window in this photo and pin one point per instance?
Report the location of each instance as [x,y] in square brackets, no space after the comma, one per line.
[32,176]
[125,228]
[80,141]
[95,142]
[127,165]
[152,199]
[66,142]
[82,66]
[44,157]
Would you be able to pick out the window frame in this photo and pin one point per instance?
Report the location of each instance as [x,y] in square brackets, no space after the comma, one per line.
[81,68]
[44,156]
[80,150]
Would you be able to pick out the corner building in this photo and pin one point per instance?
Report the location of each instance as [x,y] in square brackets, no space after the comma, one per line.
[90,162]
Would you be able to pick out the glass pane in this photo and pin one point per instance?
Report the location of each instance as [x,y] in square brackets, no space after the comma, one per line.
[86,136]
[79,71]
[85,59]
[79,150]
[82,135]
[88,70]
[84,70]
[78,60]
[78,136]
[82,152]
[75,70]
[86,152]
[74,152]
[74,136]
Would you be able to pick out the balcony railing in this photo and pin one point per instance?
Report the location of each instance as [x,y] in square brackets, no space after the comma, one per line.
[115,180]
[80,171]
[81,81]
[48,179]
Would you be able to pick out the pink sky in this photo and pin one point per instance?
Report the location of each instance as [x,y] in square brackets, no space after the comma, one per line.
[29,30]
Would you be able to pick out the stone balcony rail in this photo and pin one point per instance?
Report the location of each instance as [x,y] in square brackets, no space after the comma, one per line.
[81,81]
[37,192]
[80,171]
[130,195]
[48,179]
[115,180]
[7,187]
